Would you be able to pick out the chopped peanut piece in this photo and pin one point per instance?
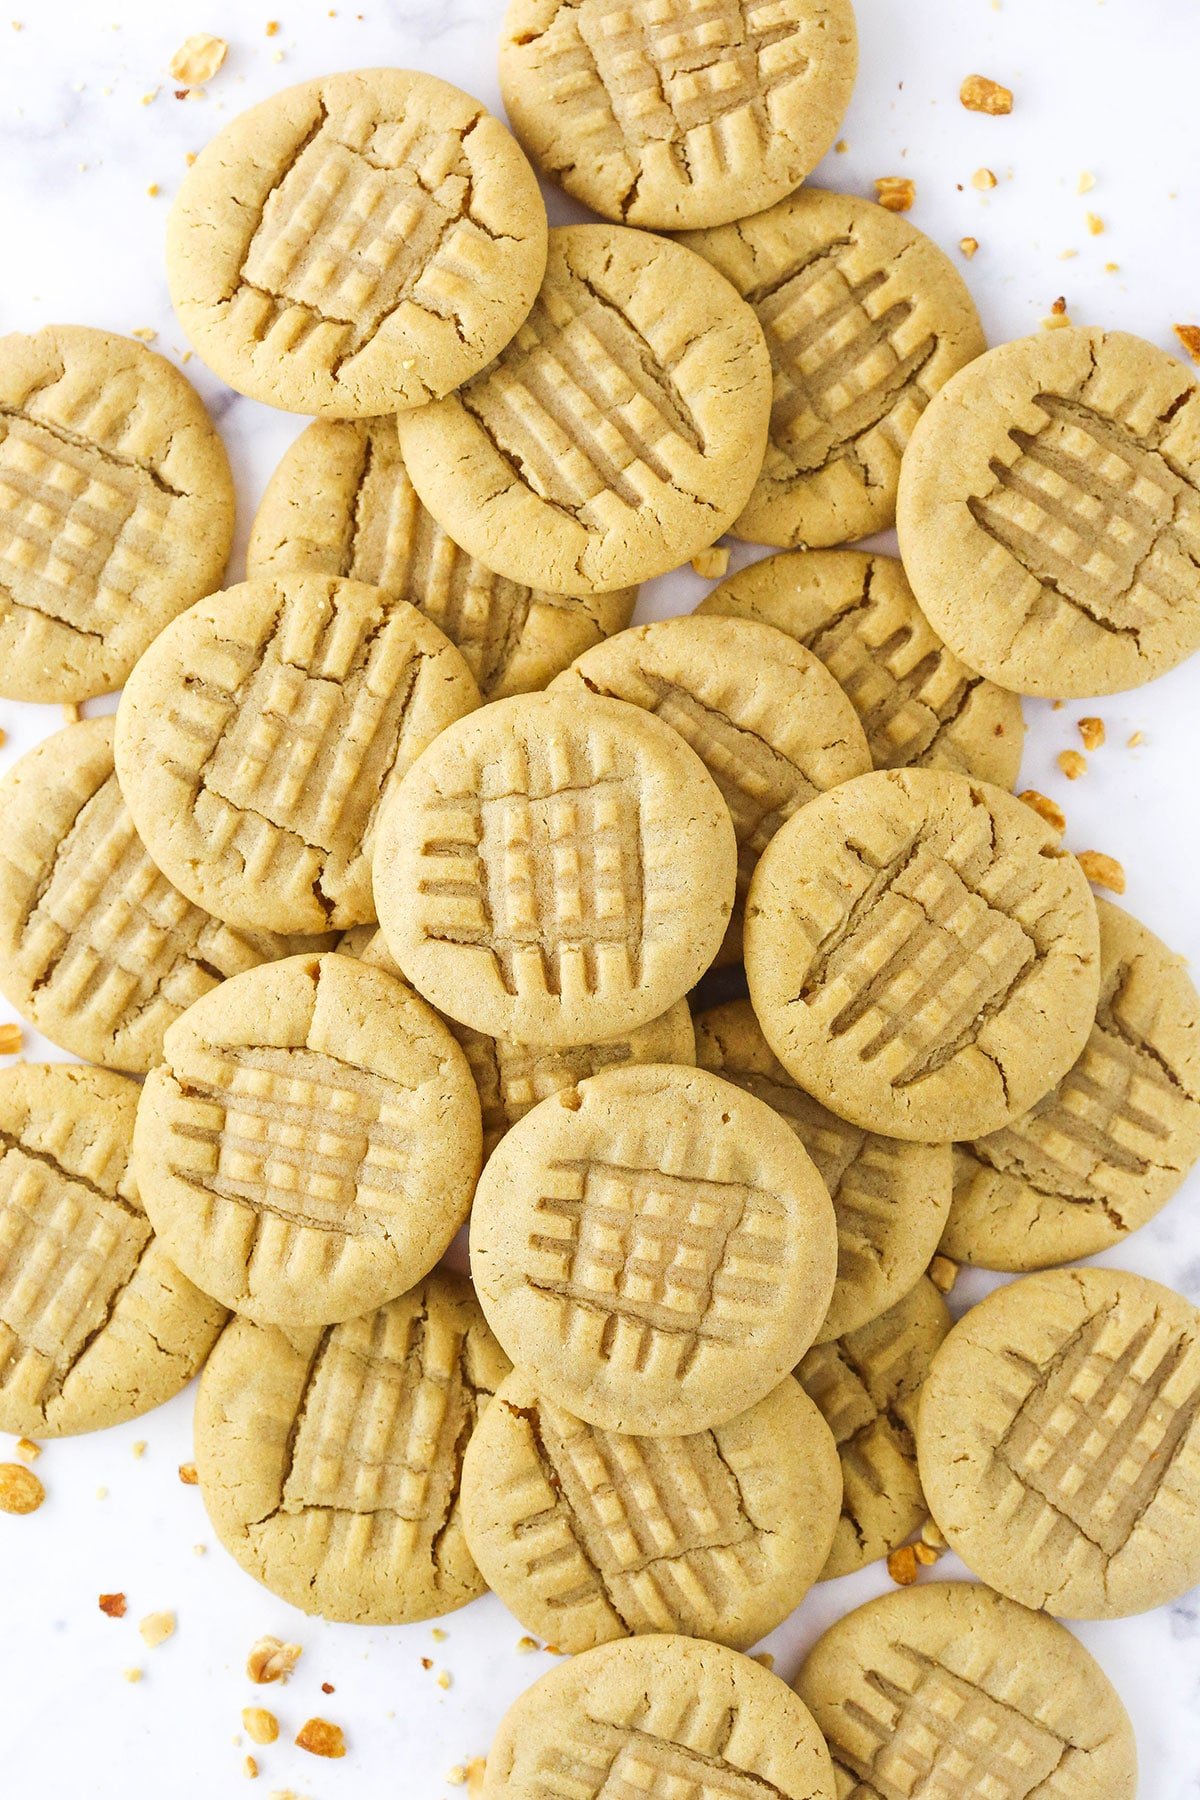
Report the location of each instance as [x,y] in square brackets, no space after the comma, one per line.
[112,1605]
[931,1534]
[198,58]
[711,563]
[27,1450]
[72,712]
[983,179]
[272,27]
[1072,764]
[320,1738]
[457,1776]
[1095,223]
[766,1659]
[327,1687]
[139,1449]
[153,190]
[188,1475]
[902,1565]
[1139,737]
[156,1628]
[1189,337]
[895,192]
[443,1678]
[1092,732]
[10,1039]
[926,1555]
[250,1769]
[1087,182]
[20,1489]
[132,1674]
[980,94]
[841,147]
[943,1273]
[968,246]
[525,1645]
[1105,871]
[438,1635]
[261,1726]
[1059,306]
[476,1770]
[1046,808]
[271,1660]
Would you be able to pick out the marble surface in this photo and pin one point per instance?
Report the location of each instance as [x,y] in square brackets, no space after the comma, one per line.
[89,127]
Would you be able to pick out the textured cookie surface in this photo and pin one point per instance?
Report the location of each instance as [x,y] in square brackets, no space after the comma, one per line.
[589,1535]
[949,1690]
[669,114]
[1111,1143]
[917,703]
[920,953]
[867,1385]
[619,432]
[1059,1442]
[259,736]
[116,508]
[890,1198]
[865,319]
[658,1715]
[655,1248]
[341,503]
[357,244]
[97,949]
[96,1323]
[556,870]
[309,1146]
[330,1460]
[1049,513]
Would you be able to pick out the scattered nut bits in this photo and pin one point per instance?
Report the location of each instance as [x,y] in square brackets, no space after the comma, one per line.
[320,1738]
[1189,337]
[113,1605]
[1046,808]
[188,1475]
[443,1678]
[1105,871]
[979,94]
[156,1628]
[132,1674]
[983,179]
[10,1039]
[766,1659]
[1059,307]
[925,1554]
[272,27]
[1072,764]
[261,1726]
[895,192]
[327,1687]
[968,246]
[1138,737]
[711,563]
[525,1645]
[943,1273]
[1087,182]
[902,1565]
[250,1769]
[438,1635]
[20,1489]
[271,1660]
[1092,732]
[27,1450]
[931,1534]
[198,58]
[1095,223]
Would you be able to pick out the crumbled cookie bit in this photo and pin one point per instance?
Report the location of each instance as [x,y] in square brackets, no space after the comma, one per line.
[711,563]
[983,179]
[271,1660]
[443,1678]
[1065,256]
[841,147]
[902,1565]
[112,1606]
[139,1449]
[1105,871]
[156,1628]
[1095,223]
[21,1490]
[132,1674]
[188,1475]
[979,93]
[525,1645]
[457,1776]
[150,98]
[895,192]
[27,1450]
[476,1770]
[943,1273]
[153,191]
[199,1549]
[321,1738]
[198,58]
[1138,737]
[926,1555]
[1046,808]
[1087,182]
[1091,730]
[968,246]
[147,334]
[250,1769]
[1111,268]
[1189,337]
[261,1726]
[1072,764]
[189,157]
[10,1040]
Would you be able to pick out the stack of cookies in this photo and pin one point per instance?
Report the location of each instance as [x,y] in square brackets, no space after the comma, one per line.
[395,873]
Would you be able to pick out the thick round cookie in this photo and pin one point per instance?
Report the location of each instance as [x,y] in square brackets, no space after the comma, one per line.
[620,431]
[341,503]
[921,954]
[588,1535]
[97,1325]
[916,702]
[116,508]
[259,736]
[867,1386]
[655,1248]
[865,319]
[668,114]
[1107,1147]
[1049,513]
[658,1715]
[97,949]
[1059,1442]
[890,1198]
[949,1689]
[310,1144]
[556,870]
[357,244]
[330,1460]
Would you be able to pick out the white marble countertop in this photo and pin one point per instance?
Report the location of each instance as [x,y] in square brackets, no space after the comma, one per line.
[89,128]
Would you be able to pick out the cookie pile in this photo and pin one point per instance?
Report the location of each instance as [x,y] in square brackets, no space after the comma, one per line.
[397,868]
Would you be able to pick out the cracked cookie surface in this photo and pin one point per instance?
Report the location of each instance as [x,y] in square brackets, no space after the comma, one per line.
[920,953]
[356,245]
[97,1325]
[1049,513]
[116,508]
[617,434]
[330,1459]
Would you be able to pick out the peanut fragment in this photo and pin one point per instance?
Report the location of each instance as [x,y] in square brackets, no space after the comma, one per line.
[895,192]
[1136,738]
[27,1450]
[1189,337]
[113,1605]
[1095,223]
[20,1489]
[250,1769]
[711,563]
[156,1628]
[271,1660]
[10,1039]
[931,1534]
[1072,764]
[983,179]
[188,1475]
[525,1645]
[261,1726]
[1091,730]
[902,1565]
[321,1738]
[926,1555]
[968,246]
[943,1273]
[198,58]
[1046,808]
[979,93]
[1105,871]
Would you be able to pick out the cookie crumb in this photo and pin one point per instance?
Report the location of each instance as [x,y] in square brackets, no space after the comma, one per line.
[457,1776]
[968,246]
[112,1606]
[979,93]
[147,334]
[21,1491]
[1095,223]
[1105,871]
[943,1273]
[841,147]
[1087,182]
[261,1726]
[1138,737]
[476,1770]
[1072,764]
[895,192]
[711,563]
[321,1738]
[525,1645]
[1091,730]
[139,1448]
[271,1660]
[198,58]
[902,1565]
[983,179]
[250,1769]
[132,1674]
[153,190]
[10,1039]
[156,1628]
[1046,808]
[188,1475]
[1189,337]
[199,1549]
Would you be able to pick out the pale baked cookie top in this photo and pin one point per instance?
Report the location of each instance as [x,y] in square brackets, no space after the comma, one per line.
[1049,513]
[917,703]
[116,508]
[309,1146]
[921,954]
[330,1460]
[618,433]
[865,318]
[949,1689]
[260,734]
[96,1323]
[357,244]
[670,113]
[654,1247]
[684,1716]
[556,869]
[341,503]
[1109,1145]
[1059,1442]
[589,1535]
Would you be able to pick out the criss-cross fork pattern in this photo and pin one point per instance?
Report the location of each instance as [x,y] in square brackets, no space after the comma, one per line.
[596,1759]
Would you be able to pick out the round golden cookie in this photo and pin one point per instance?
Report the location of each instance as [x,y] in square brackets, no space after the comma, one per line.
[97,949]
[948,1689]
[670,114]
[259,736]
[654,1248]
[357,244]
[865,319]
[116,508]
[97,1325]
[1059,1442]
[867,1385]
[588,1535]
[556,869]
[310,1144]
[916,702]
[890,1198]
[330,1460]
[1107,1147]
[618,433]
[1049,513]
[659,1715]
[341,503]
[921,954]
